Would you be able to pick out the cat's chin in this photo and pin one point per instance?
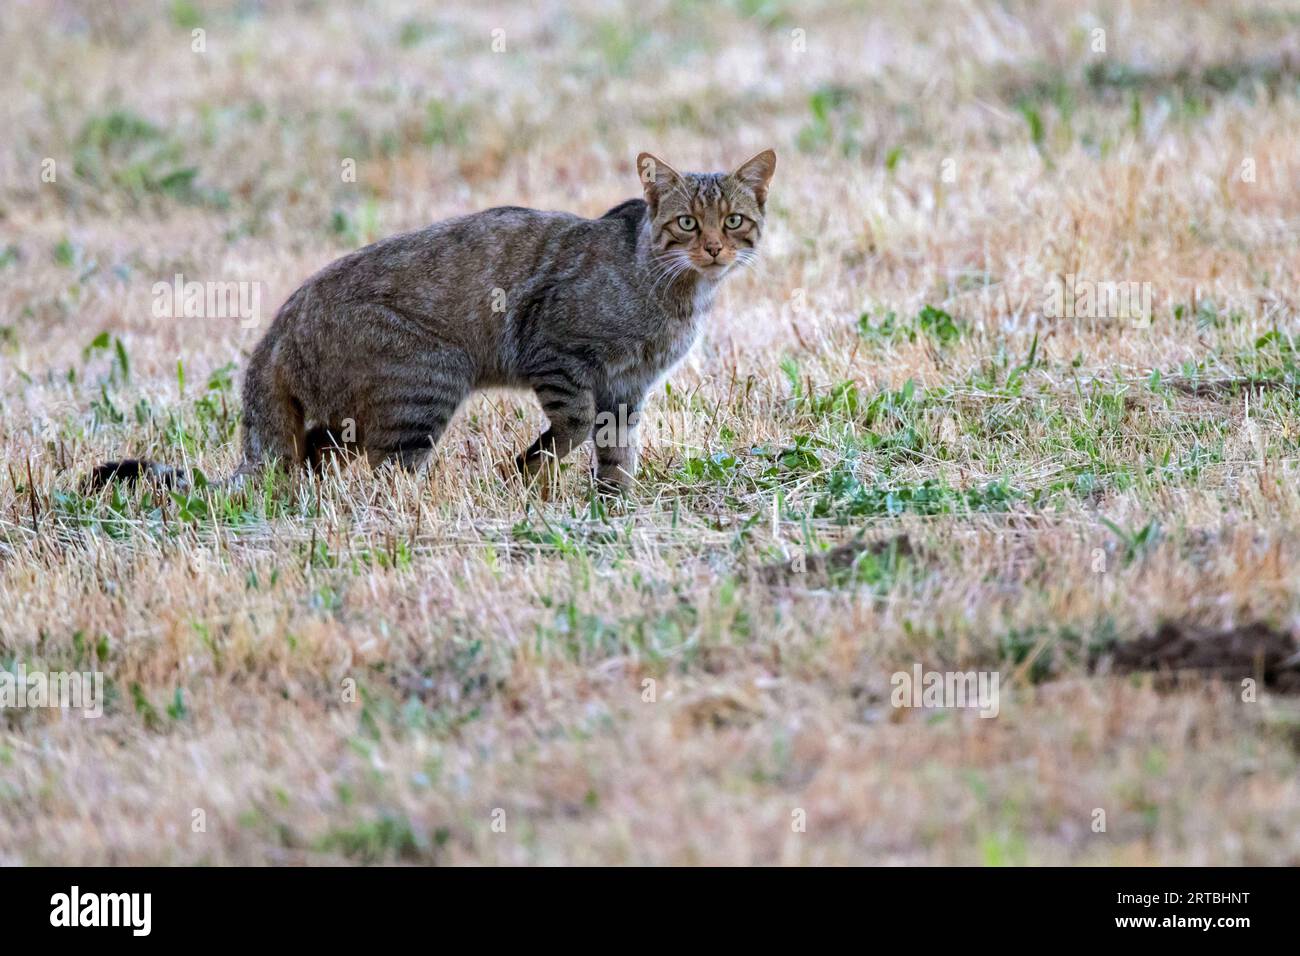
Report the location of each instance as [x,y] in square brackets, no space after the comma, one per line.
[713,271]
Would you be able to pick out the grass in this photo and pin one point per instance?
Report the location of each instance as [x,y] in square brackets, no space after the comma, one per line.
[443,669]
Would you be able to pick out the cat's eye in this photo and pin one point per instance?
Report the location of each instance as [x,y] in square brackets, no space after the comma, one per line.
[734,221]
[686,222]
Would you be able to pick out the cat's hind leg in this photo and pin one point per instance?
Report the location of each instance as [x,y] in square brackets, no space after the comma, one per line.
[412,405]
[273,427]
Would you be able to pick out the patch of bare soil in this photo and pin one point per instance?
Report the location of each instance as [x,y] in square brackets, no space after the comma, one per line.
[824,569]
[1254,650]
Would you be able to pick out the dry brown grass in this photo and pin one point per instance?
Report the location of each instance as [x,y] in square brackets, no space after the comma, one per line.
[500,644]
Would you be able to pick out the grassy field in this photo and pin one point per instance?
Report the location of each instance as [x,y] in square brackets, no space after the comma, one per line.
[892,448]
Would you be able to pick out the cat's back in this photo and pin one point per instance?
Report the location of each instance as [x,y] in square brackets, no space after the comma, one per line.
[500,247]
[536,242]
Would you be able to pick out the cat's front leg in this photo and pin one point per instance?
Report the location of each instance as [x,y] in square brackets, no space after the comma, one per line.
[571,410]
[617,443]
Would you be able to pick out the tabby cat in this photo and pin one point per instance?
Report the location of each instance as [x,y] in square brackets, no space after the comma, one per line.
[377,350]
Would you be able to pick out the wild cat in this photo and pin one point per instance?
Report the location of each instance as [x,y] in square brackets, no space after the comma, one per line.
[378,350]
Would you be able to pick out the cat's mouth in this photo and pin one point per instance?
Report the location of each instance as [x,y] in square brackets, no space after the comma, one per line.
[714,268]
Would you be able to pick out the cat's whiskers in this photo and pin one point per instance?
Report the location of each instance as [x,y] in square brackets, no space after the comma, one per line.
[749,259]
[671,268]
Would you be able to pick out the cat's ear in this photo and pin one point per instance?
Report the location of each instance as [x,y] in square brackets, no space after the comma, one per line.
[756,173]
[656,178]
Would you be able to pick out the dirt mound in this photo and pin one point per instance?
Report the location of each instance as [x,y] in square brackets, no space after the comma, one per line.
[1252,650]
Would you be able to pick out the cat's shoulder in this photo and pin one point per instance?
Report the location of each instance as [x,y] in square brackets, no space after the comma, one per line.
[633,210]
[628,216]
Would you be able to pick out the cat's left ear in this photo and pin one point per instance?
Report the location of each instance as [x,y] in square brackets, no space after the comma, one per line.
[757,173]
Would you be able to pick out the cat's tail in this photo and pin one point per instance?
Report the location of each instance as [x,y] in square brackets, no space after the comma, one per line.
[131,470]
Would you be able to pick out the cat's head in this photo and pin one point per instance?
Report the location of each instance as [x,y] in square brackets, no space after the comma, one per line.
[706,221]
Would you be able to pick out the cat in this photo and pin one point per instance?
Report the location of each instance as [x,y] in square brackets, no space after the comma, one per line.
[376,352]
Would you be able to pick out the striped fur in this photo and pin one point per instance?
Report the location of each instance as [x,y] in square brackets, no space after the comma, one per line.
[382,346]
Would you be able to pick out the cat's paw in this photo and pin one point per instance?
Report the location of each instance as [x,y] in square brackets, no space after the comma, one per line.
[613,482]
[537,474]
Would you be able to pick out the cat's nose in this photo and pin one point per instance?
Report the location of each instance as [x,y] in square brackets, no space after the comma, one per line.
[713,248]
